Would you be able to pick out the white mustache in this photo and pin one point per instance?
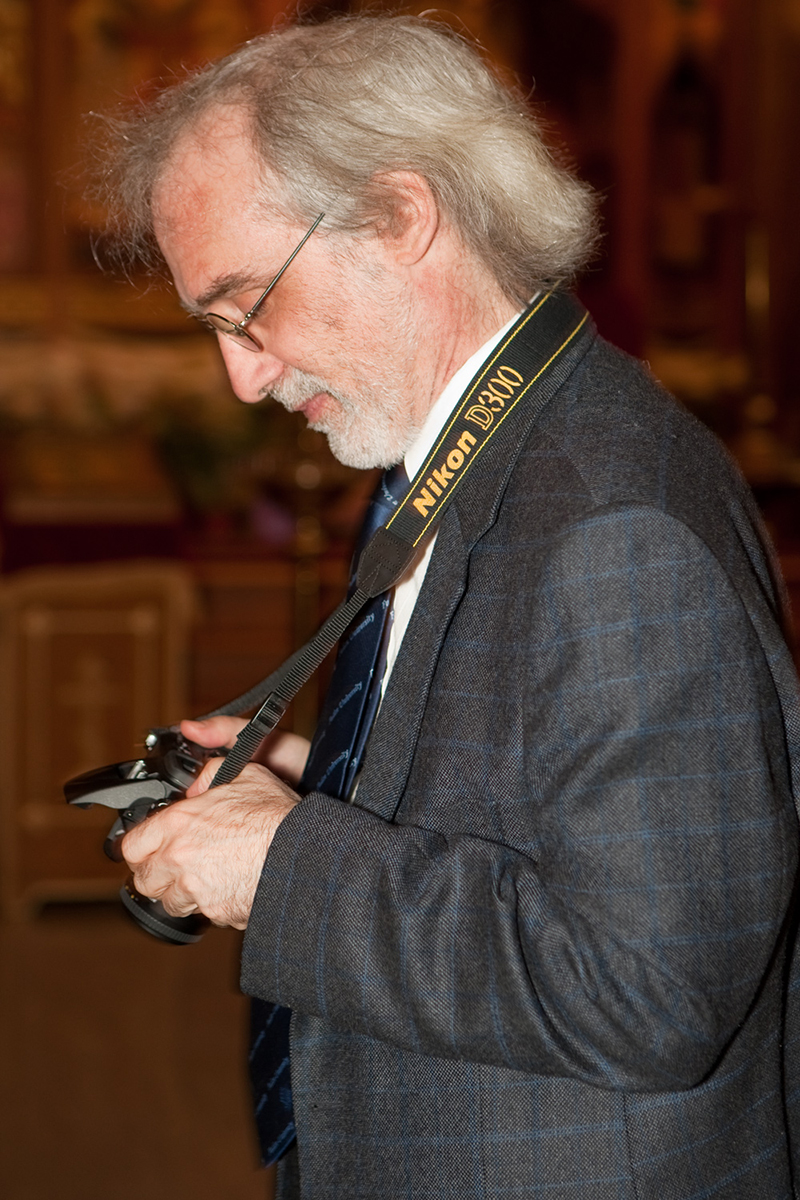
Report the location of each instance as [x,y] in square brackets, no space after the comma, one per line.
[295,390]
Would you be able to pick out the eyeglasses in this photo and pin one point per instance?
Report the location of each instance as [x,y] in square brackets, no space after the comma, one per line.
[236,329]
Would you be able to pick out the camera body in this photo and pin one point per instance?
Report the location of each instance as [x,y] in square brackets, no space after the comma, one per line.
[136,789]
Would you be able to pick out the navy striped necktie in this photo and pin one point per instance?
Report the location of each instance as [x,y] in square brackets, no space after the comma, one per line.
[334,760]
[351,703]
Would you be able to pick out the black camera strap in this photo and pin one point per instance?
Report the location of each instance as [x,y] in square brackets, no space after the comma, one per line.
[522,373]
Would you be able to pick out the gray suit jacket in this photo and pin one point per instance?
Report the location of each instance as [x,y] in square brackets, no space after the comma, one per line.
[546,955]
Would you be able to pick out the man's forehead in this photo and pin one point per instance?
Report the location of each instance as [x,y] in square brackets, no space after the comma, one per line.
[213,165]
[209,215]
[215,230]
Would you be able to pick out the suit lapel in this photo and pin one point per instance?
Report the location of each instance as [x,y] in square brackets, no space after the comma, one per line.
[391,747]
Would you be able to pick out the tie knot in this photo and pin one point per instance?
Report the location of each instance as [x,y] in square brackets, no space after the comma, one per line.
[392,486]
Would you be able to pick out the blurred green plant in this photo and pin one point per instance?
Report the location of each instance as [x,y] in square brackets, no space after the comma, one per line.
[212,461]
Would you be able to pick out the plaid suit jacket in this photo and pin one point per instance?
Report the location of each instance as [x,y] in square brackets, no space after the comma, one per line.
[548,952]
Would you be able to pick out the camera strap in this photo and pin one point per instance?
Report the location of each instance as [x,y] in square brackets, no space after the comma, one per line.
[522,373]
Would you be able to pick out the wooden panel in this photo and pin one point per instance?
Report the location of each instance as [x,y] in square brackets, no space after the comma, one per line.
[91,658]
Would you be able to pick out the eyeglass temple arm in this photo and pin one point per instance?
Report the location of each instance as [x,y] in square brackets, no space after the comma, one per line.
[249,316]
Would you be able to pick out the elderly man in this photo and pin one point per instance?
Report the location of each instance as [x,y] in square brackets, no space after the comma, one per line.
[533,919]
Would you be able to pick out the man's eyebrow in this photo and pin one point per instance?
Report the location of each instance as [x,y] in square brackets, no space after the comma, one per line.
[220,288]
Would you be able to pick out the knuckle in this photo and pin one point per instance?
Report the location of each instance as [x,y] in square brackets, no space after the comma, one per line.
[175,822]
[140,879]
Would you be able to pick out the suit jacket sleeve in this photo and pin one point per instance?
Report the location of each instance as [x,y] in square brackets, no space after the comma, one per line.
[620,936]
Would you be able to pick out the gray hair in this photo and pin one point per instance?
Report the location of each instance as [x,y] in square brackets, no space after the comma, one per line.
[335,107]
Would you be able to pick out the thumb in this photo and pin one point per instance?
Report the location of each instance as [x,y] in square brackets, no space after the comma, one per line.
[216,731]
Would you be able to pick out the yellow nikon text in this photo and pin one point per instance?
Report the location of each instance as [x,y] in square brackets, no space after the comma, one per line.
[440,478]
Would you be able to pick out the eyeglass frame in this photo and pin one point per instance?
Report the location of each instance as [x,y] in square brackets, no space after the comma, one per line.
[235,330]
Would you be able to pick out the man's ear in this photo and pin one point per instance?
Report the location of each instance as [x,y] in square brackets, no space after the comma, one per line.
[410,216]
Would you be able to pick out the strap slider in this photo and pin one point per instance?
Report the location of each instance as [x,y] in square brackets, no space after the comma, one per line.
[270,713]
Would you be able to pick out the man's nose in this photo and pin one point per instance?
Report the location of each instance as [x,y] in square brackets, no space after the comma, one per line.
[250,373]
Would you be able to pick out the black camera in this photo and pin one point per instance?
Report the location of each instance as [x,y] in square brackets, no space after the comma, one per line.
[137,788]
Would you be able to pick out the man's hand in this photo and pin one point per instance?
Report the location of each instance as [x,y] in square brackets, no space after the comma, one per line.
[206,852]
[284,753]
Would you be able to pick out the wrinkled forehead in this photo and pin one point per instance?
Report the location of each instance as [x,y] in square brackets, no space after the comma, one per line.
[211,176]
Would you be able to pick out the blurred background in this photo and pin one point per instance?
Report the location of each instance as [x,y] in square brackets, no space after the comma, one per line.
[163,546]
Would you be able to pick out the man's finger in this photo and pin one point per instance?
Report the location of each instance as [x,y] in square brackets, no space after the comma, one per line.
[142,841]
[175,901]
[216,731]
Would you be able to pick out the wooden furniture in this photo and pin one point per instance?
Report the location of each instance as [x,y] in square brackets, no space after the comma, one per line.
[90,657]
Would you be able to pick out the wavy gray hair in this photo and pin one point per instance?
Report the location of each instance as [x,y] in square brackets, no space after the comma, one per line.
[335,108]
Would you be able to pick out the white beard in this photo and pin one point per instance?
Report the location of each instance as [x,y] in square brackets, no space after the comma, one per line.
[374,423]
[374,430]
